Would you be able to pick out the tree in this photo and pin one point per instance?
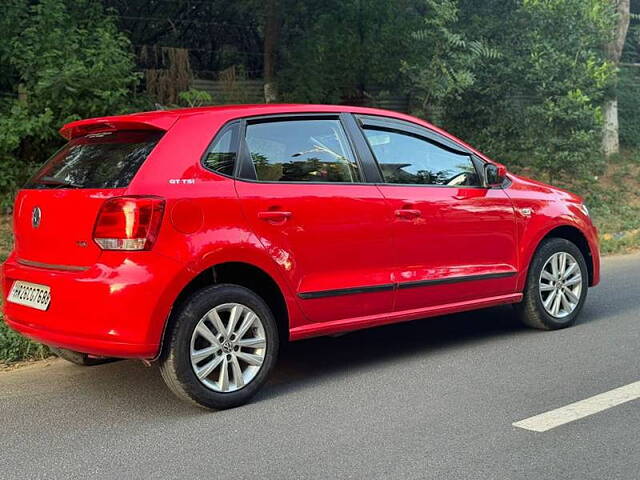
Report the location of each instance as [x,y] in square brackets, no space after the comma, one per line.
[271,37]
[338,50]
[440,63]
[613,52]
[539,107]
[65,61]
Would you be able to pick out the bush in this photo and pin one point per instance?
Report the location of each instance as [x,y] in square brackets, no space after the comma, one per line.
[14,347]
[629,107]
[539,105]
[63,61]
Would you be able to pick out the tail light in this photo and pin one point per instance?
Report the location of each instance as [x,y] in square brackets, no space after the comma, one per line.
[129,223]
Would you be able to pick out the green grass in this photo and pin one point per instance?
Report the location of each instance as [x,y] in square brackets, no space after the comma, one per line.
[614,201]
[14,347]
[6,237]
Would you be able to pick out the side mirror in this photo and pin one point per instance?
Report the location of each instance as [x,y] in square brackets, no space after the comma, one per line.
[494,174]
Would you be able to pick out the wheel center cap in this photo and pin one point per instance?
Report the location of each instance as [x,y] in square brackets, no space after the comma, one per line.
[227,347]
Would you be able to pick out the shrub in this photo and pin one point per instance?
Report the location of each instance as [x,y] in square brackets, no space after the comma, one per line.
[63,61]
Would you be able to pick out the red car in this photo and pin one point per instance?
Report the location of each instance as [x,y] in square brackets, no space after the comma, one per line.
[204,238]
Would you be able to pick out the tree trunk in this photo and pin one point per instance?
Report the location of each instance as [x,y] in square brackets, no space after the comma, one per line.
[610,141]
[271,37]
[613,52]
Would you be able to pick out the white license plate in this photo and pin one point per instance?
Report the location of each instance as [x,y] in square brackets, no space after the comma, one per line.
[30,295]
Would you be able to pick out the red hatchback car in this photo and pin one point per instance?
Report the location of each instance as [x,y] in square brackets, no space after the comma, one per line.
[204,238]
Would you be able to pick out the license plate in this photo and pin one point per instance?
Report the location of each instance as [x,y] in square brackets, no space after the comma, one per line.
[30,295]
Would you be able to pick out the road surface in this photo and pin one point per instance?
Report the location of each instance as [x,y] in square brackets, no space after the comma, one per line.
[430,399]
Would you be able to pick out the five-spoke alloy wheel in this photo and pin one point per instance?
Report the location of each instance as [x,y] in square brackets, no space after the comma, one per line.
[223,343]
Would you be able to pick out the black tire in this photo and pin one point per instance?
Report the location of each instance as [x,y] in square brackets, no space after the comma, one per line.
[78,358]
[531,310]
[175,361]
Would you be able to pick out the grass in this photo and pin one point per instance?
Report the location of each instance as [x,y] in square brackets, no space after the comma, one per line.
[614,201]
[14,347]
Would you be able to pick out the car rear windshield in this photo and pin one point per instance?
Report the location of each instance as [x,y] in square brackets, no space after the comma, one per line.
[99,160]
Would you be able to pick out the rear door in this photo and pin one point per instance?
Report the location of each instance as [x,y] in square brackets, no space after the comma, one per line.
[454,239]
[304,193]
[56,211]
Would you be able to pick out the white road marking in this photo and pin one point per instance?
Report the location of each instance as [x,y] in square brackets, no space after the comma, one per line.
[583,408]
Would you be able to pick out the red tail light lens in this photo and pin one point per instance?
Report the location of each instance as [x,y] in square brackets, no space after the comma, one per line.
[129,223]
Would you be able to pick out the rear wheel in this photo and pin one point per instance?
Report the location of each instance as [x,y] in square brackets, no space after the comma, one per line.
[222,347]
[556,286]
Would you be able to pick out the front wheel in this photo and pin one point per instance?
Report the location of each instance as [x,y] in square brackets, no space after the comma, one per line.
[556,286]
[222,347]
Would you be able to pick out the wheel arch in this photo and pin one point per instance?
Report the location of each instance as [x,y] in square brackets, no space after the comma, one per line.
[575,236]
[240,273]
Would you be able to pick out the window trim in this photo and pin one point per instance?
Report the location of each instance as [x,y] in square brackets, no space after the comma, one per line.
[379,121]
[245,165]
[234,144]
[419,135]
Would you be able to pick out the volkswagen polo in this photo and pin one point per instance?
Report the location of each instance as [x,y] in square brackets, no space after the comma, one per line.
[204,238]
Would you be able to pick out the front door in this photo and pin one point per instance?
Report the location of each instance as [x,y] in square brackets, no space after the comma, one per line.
[304,194]
[454,240]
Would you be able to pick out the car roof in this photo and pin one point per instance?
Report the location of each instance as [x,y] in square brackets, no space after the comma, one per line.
[164,119]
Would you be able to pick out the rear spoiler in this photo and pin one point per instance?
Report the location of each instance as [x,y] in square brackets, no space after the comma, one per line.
[148,121]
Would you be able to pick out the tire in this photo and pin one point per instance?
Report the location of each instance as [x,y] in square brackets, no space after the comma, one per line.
[188,345]
[78,358]
[531,310]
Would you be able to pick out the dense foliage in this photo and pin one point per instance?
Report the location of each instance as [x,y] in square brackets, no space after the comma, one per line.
[539,106]
[523,79]
[61,61]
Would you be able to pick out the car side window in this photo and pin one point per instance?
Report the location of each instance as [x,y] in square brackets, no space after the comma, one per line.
[309,150]
[221,154]
[412,160]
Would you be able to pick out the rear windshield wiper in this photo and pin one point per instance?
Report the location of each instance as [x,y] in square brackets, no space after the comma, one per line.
[57,182]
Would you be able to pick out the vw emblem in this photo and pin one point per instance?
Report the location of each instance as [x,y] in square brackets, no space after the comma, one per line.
[36,217]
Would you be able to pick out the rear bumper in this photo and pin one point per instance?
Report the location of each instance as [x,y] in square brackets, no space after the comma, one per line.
[118,307]
[93,346]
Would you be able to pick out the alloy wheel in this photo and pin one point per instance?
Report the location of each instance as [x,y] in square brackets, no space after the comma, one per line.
[228,347]
[560,285]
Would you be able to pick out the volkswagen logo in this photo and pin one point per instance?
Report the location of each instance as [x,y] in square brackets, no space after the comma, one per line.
[36,217]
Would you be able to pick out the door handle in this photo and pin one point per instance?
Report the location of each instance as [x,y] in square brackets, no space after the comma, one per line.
[408,213]
[274,216]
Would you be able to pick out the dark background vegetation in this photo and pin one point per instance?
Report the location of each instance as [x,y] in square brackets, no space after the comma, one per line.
[525,81]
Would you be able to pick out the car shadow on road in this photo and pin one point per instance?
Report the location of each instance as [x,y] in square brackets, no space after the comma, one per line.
[307,362]
[129,386]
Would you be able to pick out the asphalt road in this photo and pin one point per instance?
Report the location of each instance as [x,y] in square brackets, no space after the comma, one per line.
[428,399]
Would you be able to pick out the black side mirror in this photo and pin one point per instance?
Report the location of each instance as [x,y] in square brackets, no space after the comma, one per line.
[494,174]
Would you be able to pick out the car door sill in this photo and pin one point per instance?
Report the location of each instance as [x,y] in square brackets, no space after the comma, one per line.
[403,285]
[357,323]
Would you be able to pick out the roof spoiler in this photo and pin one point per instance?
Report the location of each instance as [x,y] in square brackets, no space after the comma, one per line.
[160,121]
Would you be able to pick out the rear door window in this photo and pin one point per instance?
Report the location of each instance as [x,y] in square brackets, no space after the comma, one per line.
[221,154]
[99,160]
[315,150]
